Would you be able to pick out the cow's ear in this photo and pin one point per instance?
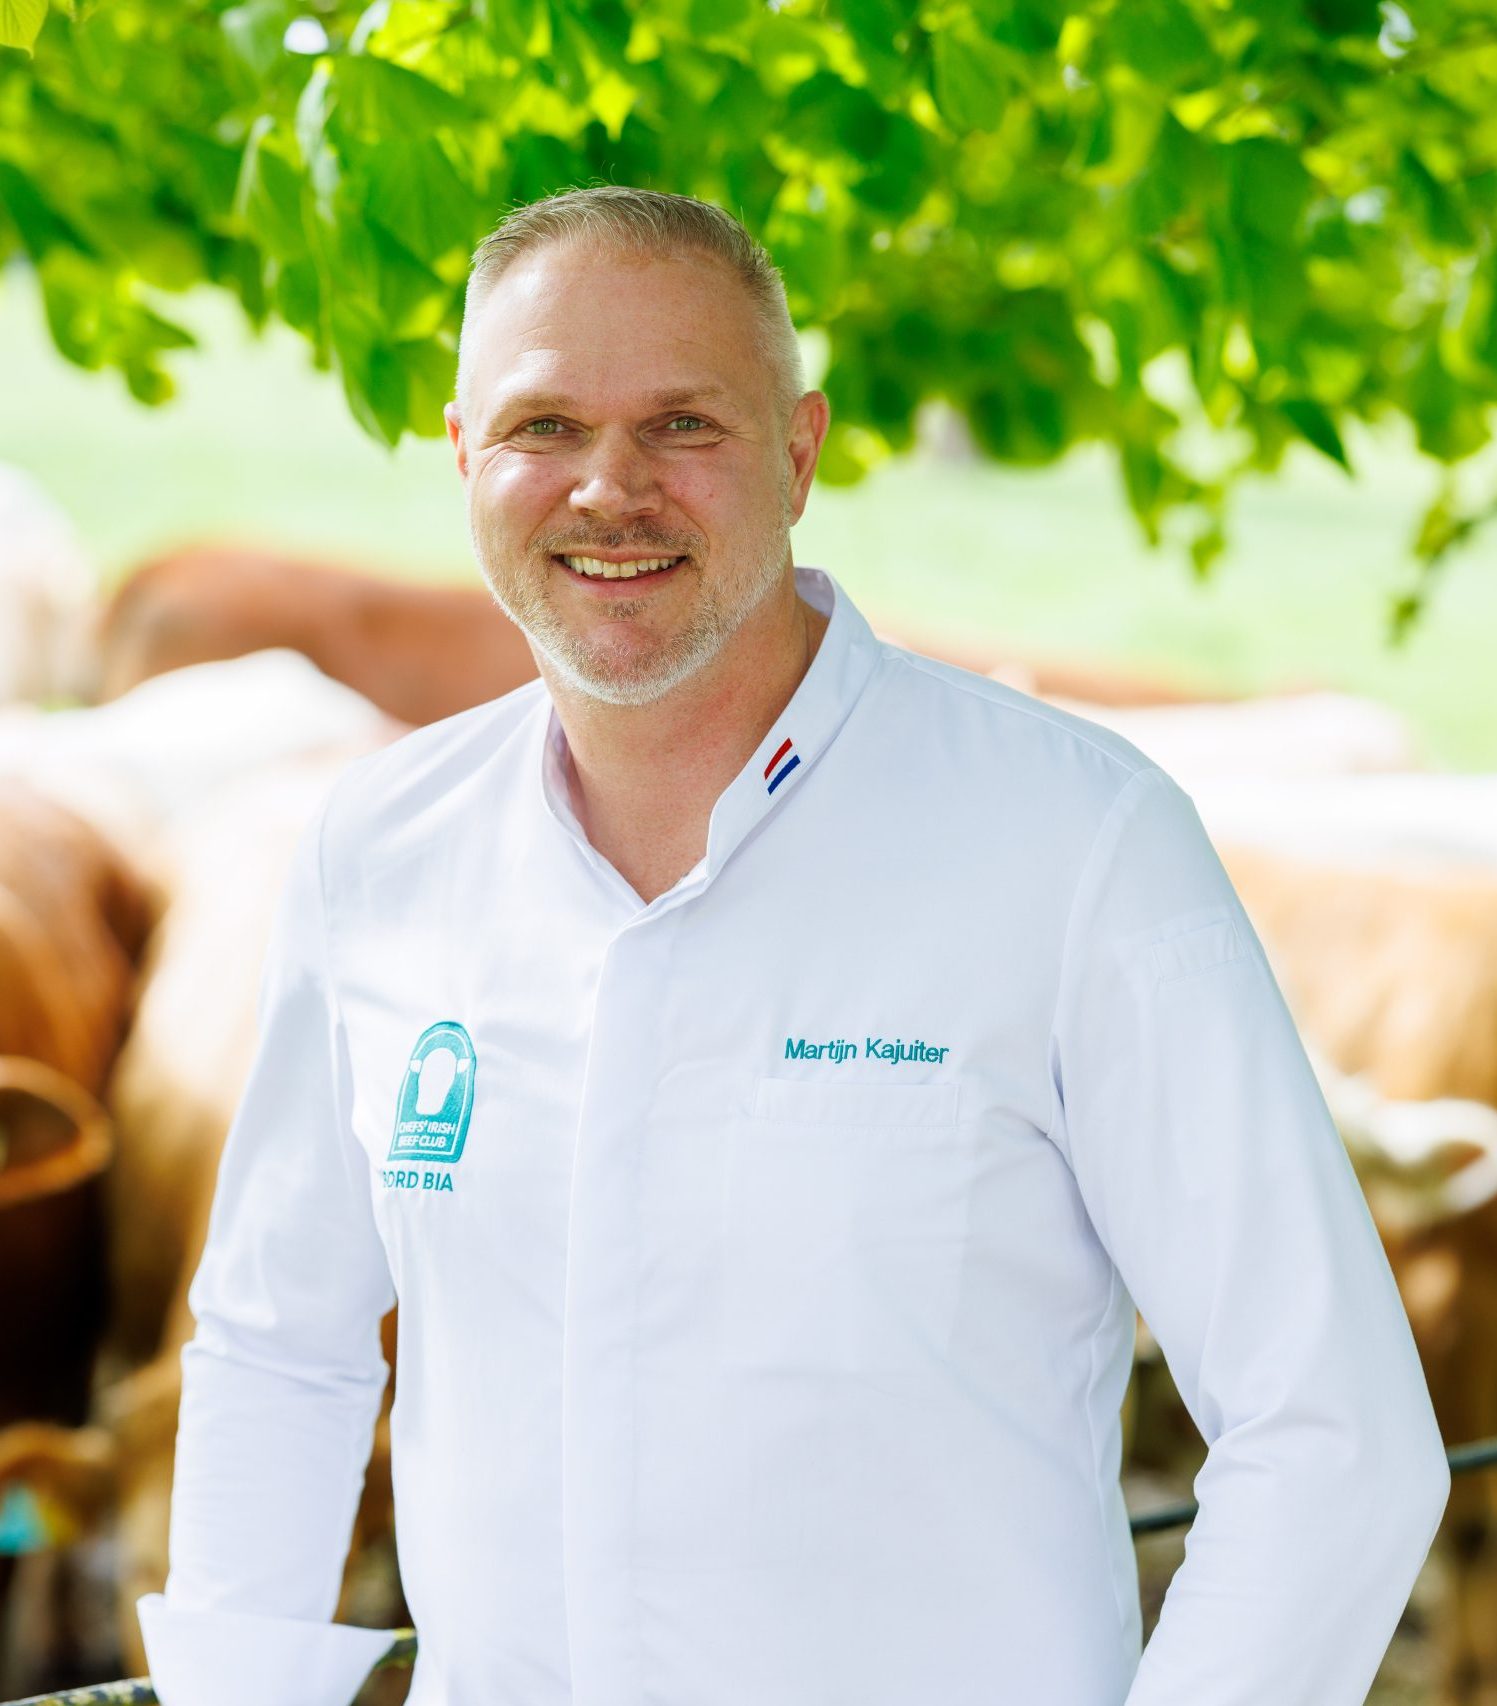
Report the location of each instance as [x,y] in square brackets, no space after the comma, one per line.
[455,432]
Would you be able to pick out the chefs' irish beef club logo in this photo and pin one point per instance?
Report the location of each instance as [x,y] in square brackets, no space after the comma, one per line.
[432,1110]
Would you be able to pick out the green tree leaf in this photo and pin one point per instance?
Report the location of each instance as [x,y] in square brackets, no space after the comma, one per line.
[1315,425]
[256,30]
[1050,213]
[972,80]
[21,22]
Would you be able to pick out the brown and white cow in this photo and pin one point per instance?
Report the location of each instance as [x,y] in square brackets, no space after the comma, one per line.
[143,773]
[134,766]
[172,1093]
[73,916]
[420,652]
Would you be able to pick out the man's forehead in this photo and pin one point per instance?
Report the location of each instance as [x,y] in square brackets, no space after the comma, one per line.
[567,296]
[563,328]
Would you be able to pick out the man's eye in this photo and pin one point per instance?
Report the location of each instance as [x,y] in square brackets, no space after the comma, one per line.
[545,422]
[696,421]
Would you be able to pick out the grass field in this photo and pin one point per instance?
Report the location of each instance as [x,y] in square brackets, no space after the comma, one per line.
[258,445]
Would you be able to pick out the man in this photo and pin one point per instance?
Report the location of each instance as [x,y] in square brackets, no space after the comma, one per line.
[840,1044]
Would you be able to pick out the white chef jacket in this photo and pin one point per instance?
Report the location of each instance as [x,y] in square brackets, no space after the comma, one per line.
[767,1255]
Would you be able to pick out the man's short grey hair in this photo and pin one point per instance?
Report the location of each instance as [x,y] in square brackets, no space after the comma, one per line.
[647,224]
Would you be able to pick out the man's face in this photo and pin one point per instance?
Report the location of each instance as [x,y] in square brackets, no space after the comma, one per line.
[620,412]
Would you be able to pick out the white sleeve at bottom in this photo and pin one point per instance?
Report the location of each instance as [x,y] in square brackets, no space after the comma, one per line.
[233,1658]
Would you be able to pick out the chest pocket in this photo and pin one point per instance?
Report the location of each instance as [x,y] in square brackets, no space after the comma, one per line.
[846,1226]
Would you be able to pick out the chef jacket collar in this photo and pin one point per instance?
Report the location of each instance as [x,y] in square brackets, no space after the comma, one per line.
[796,739]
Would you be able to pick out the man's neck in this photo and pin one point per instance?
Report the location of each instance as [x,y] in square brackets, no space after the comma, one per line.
[644,778]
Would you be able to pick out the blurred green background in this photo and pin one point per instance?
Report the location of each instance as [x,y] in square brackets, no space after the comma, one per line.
[257,445]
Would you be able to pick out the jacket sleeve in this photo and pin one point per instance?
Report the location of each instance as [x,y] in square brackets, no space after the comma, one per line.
[282,1380]
[1214,1176]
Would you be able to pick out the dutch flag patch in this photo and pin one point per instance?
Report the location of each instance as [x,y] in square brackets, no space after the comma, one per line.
[780,766]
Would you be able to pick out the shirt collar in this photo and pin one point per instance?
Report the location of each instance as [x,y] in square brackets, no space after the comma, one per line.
[784,758]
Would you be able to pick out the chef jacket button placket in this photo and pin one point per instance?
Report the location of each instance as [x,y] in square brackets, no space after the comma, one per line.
[599,1348]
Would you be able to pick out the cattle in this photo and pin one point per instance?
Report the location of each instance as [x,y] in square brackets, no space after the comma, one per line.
[131,767]
[172,1093]
[419,652]
[73,920]
[47,593]
[55,1143]
[73,917]
[131,775]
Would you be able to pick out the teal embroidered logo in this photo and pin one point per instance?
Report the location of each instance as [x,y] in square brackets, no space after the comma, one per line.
[436,1096]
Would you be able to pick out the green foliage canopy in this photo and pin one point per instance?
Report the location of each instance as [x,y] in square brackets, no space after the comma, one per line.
[1072,219]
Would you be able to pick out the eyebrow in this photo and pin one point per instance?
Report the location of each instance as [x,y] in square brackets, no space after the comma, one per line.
[550,402]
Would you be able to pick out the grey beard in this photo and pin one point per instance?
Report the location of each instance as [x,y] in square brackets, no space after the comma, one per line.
[682,658]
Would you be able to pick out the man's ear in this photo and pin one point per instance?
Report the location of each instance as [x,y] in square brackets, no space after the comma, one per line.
[808,428]
[455,432]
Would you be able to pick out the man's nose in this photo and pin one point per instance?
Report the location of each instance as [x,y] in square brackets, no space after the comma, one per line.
[617,478]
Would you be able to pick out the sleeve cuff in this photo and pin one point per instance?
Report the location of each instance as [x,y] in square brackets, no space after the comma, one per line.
[236,1658]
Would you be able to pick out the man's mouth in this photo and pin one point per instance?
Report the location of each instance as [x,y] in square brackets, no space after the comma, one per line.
[599,568]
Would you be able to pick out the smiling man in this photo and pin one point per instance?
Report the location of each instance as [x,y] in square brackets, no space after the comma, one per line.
[767,1067]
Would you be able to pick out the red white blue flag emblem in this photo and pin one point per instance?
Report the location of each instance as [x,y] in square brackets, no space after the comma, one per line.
[780,766]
